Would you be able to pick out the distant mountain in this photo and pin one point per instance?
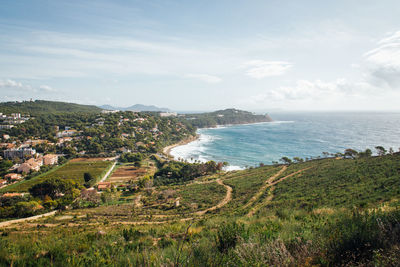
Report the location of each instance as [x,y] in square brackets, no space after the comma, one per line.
[137,107]
[39,107]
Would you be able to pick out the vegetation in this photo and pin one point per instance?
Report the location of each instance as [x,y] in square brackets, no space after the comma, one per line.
[223,117]
[73,171]
[39,107]
[322,213]
[180,172]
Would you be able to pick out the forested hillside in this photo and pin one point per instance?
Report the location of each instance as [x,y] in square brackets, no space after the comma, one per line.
[39,107]
[224,117]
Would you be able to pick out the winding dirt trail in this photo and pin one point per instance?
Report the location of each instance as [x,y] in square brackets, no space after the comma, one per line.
[8,223]
[267,184]
[228,197]
[271,184]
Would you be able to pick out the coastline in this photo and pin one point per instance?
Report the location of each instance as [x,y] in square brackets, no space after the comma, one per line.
[167,149]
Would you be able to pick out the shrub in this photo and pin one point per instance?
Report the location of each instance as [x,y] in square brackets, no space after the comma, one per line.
[228,235]
[355,238]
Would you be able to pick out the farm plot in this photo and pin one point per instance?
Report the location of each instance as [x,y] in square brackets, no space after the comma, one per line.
[72,170]
[129,172]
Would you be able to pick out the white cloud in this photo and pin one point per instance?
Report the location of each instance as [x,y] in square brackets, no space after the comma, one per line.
[205,78]
[383,62]
[260,68]
[314,90]
[10,84]
[14,87]
[47,88]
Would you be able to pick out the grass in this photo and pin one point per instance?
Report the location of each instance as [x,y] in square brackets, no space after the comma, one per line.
[201,196]
[341,183]
[71,171]
[338,212]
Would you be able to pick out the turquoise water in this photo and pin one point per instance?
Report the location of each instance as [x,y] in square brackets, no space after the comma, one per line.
[293,134]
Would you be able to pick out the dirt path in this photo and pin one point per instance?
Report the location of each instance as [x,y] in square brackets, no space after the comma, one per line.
[147,222]
[8,223]
[270,196]
[264,187]
[290,175]
[108,172]
[228,197]
[138,203]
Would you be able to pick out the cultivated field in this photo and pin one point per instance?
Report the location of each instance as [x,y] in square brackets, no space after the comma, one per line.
[128,172]
[72,170]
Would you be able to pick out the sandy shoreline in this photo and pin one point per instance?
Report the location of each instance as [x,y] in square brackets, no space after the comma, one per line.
[167,149]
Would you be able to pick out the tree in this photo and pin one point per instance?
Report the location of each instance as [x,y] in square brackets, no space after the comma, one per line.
[89,179]
[4,166]
[286,160]
[381,150]
[53,187]
[298,160]
[350,153]
[24,209]
[366,154]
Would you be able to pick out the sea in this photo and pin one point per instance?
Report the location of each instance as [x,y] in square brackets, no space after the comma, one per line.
[293,134]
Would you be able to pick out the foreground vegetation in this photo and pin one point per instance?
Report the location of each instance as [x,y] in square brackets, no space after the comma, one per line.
[317,213]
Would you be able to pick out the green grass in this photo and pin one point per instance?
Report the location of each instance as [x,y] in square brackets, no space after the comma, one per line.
[246,184]
[71,171]
[341,183]
[338,212]
[201,196]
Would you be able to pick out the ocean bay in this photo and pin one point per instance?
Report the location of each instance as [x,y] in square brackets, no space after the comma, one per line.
[292,134]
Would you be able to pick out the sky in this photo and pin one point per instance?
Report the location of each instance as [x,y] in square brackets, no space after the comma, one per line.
[203,55]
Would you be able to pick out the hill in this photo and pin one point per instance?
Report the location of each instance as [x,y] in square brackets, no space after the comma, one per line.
[224,117]
[39,107]
[137,107]
[328,212]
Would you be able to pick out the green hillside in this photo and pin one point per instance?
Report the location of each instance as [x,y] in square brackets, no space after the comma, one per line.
[224,117]
[328,212]
[39,107]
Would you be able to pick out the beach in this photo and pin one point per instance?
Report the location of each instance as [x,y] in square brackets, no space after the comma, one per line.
[167,149]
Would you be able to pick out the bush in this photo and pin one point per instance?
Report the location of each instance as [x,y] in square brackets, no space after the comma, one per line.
[355,238]
[130,234]
[228,235]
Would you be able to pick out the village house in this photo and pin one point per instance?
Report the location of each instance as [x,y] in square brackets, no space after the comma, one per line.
[3,182]
[168,114]
[66,133]
[9,195]
[13,176]
[7,145]
[62,140]
[104,186]
[19,153]
[125,150]
[30,165]
[34,142]
[50,159]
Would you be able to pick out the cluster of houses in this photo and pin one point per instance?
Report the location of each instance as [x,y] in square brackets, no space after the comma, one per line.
[34,164]
[8,122]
